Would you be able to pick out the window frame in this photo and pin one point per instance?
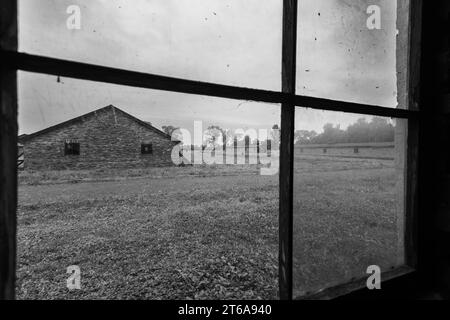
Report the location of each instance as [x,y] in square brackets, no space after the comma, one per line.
[71,148]
[148,145]
[12,61]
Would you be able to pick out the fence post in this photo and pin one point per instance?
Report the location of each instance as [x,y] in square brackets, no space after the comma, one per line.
[224,148]
[203,151]
[257,151]
[235,150]
[247,142]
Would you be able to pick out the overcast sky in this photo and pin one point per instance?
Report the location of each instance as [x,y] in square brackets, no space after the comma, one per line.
[236,42]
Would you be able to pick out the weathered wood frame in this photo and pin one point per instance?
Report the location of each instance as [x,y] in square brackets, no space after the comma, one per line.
[12,60]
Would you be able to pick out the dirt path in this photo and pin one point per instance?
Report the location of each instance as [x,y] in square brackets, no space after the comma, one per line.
[94,190]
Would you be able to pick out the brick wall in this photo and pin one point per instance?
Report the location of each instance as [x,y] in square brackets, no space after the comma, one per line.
[108,138]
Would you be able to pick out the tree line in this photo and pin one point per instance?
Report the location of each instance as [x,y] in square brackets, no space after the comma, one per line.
[376,130]
[216,135]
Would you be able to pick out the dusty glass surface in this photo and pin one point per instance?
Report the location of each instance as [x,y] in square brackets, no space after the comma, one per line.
[349,174]
[348,50]
[141,224]
[226,41]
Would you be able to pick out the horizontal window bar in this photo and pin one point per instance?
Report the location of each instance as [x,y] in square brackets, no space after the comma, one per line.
[358,284]
[84,71]
[351,107]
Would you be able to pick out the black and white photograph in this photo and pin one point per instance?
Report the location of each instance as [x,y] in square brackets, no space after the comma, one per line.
[225,150]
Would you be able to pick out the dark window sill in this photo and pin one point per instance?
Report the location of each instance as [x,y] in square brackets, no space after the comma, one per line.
[394,285]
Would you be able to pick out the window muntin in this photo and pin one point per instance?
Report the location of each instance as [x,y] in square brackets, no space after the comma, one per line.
[146,148]
[71,147]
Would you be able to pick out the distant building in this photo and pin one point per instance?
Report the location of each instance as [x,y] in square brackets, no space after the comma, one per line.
[368,150]
[105,138]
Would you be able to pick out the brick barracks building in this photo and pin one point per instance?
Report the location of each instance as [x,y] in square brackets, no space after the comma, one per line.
[107,137]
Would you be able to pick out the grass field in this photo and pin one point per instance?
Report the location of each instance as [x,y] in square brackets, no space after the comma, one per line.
[345,219]
[201,232]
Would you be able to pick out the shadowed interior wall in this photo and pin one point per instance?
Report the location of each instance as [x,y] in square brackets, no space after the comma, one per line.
[434,223]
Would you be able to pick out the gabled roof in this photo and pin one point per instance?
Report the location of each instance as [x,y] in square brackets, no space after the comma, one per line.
[25,137]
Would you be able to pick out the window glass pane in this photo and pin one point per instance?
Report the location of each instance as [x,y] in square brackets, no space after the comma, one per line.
[144,226]
[225,41]
[347,50]
[348,197]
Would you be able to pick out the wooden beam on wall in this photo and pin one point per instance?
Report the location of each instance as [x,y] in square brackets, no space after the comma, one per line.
[8,152]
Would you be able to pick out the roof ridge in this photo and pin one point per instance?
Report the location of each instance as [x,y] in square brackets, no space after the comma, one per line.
[25,137]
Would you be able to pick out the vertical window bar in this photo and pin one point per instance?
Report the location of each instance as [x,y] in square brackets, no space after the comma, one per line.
[409,22]
[8,152]
[287,149]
